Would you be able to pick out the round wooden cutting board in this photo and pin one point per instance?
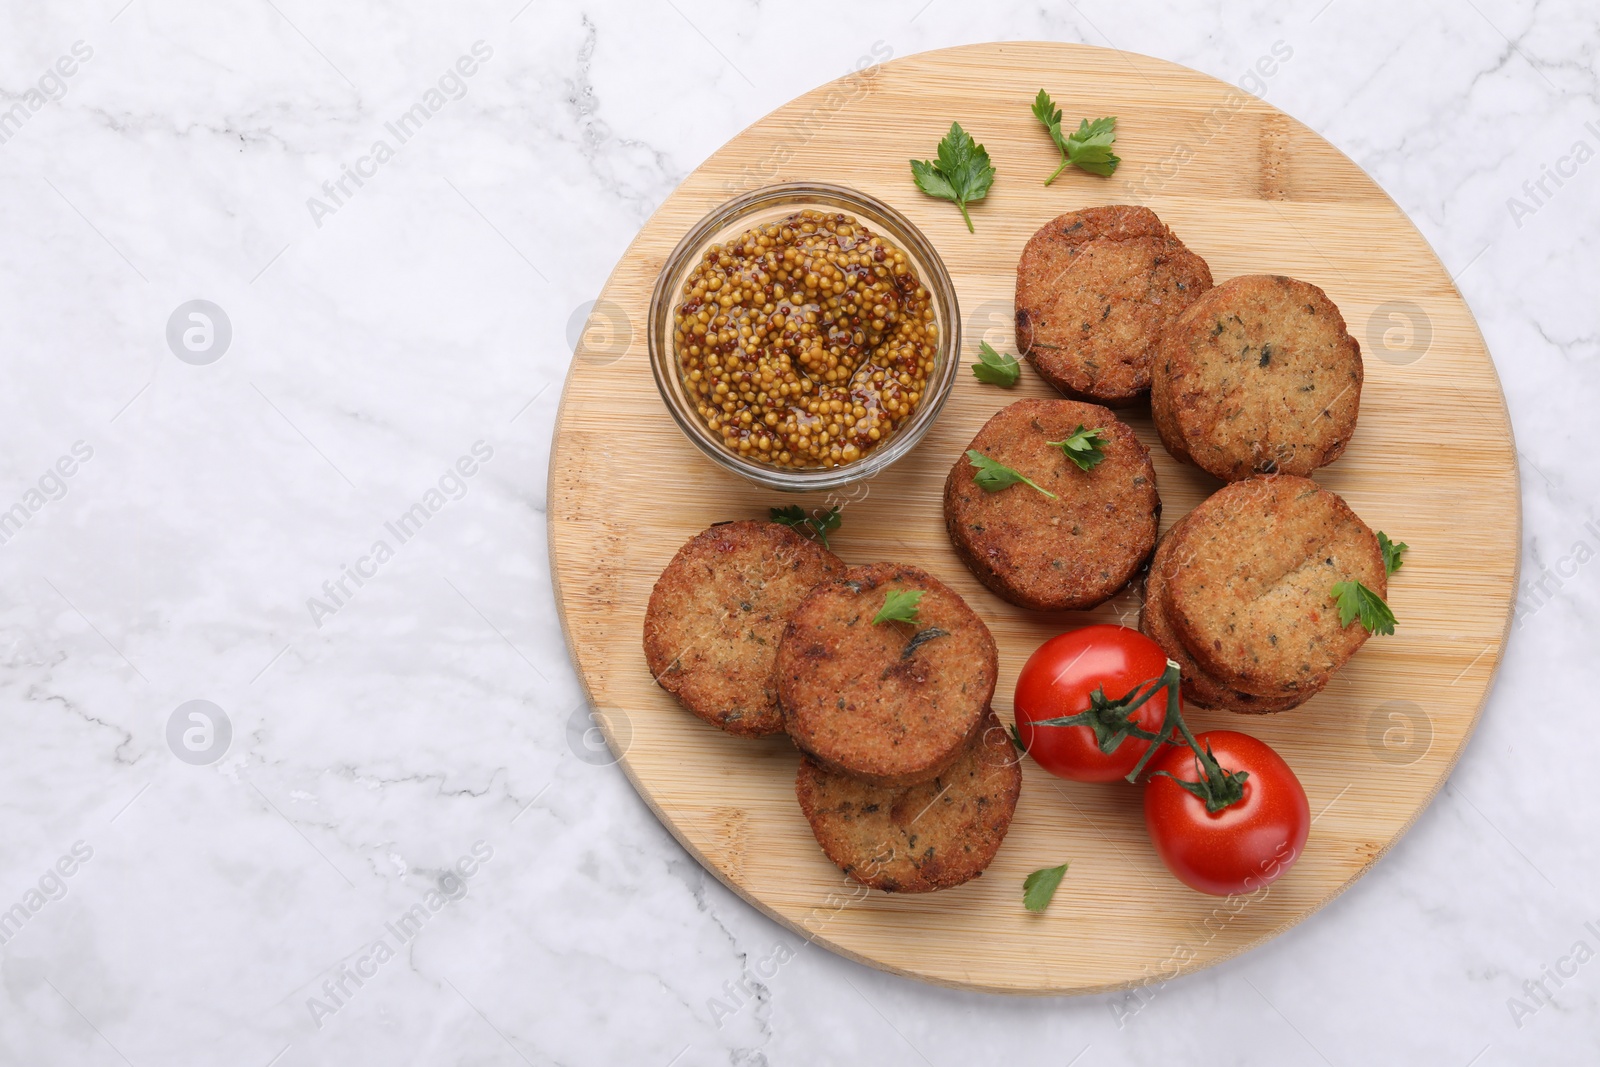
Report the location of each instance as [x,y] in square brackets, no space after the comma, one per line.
[1251,190]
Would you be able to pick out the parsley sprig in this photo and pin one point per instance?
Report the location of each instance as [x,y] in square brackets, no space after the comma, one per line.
[993,368]
[1084,447]
[994,476]
[1392,551]
[1087,148]
[899,605]
[961,174]
[818,525]
[1356,600]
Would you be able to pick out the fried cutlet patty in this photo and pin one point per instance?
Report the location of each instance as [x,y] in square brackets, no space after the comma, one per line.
[717,612]
[893,703]
[915,839]
[1259,375]
[1094,290]
[1198,686]
[1252,599]
[1072,552]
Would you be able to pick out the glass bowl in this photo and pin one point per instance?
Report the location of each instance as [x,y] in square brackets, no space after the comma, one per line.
[767,205]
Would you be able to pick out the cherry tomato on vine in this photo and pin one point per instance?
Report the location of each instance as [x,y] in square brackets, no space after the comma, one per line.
[1060,679]
[1241,847]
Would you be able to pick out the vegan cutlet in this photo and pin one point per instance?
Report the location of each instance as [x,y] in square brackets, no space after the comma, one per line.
[717,613]
[892,703]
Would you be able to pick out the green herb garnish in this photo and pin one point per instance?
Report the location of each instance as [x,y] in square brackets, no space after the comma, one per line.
[1040,887]
[994,476]
[795,516]
[1355,600]
[899,605]
[1392,551]
[1086,448]
[1087,148]
[962,173]
[994,369]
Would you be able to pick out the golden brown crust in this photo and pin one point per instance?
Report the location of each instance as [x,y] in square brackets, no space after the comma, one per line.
[717,612]
[1249,588]
[1161,411]
[1053,555]
[865,699]
[1259,375]
[1094,290]
[1199,687]
[919,838]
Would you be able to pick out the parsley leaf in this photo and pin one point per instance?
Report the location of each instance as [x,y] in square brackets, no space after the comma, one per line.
[1087,148]
[962,173]
[1392,551]
[1040,887]
[899,605]
[995,369]
[823,524]
[820,525]
[994,476]
[1045,110]
[1356,599]
[1084,447]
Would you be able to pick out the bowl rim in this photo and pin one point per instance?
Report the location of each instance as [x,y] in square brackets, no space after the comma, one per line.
[934,276]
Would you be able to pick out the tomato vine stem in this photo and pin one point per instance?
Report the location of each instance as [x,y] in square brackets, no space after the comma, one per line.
[1112,720]
[1112,723]
[1217,787]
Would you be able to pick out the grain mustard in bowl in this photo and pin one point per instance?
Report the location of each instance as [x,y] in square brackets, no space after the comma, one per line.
[804,336]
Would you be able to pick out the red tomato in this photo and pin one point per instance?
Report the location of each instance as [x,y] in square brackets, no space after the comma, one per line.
[1057,681]
[1244,846]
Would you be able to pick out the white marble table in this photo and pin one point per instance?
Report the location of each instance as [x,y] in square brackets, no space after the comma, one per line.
[385,841]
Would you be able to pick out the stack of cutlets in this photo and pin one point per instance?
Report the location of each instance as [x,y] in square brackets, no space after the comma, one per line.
[1238,593]
[907,778]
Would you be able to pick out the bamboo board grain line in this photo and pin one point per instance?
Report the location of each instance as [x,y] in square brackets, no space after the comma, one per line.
[1432,463]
